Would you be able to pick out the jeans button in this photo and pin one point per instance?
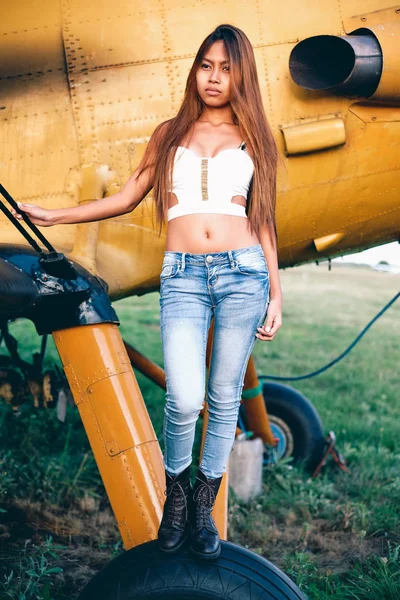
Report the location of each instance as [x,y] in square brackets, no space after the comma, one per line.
[209,259]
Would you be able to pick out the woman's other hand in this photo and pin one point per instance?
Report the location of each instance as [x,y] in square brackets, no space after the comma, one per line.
[38,216]
[266,333]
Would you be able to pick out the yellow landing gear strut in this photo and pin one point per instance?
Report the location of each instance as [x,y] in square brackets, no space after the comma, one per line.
[118,426]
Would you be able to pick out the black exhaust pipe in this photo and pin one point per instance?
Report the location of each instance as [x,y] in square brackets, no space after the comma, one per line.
[349,65]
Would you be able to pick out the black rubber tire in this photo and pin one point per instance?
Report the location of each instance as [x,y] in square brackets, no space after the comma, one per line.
[144,572]
[302,419]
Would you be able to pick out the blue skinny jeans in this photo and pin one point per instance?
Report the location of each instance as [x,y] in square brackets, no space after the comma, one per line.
[233,287]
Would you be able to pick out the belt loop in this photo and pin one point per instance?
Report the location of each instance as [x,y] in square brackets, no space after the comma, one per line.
[231,259]
[183,261]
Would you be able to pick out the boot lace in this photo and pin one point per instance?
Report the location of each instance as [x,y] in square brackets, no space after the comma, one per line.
[204,497]
[176,498]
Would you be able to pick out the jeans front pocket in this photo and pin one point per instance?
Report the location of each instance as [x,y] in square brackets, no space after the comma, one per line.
[252,263]
[169,269]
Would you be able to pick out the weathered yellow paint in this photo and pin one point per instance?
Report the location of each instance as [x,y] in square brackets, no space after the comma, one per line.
[90,181]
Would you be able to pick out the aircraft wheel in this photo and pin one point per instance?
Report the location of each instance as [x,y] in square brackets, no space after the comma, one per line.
[144,572]
[296,424]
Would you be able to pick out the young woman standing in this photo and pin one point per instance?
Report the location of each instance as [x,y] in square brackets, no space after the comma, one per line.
[213,170]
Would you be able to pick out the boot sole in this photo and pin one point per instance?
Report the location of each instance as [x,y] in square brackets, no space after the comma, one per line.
[205,556]
[176,548]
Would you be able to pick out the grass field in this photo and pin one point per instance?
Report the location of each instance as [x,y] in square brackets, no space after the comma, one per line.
[337,536]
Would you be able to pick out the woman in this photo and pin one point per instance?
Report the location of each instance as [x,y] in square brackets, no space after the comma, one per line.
[213,170]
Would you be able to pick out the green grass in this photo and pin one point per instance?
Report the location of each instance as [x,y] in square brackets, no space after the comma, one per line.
[337,535]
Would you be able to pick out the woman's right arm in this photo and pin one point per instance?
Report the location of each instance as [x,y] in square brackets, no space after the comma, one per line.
[127,199]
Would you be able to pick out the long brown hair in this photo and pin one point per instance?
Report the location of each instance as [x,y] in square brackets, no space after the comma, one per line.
[247,108]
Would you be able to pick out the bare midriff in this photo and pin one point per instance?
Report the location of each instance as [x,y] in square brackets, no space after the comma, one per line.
[201,233]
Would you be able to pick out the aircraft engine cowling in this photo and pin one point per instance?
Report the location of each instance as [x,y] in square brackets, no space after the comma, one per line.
[363,64]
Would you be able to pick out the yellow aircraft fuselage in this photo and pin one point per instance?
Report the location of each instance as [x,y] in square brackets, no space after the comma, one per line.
[83,86]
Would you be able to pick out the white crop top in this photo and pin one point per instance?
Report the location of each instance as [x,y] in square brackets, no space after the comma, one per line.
[207,184]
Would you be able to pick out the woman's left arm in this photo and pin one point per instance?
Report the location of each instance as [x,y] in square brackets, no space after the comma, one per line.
[274,315]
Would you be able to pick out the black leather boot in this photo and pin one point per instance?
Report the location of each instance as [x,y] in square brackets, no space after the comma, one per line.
[174,527]
[205,542]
